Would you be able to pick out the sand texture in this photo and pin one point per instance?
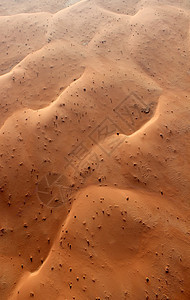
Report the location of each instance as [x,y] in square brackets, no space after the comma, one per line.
[94,150]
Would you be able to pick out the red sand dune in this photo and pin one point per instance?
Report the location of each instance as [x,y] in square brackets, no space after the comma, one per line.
[94,150]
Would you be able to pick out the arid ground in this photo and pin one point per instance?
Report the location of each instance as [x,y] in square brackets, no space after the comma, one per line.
[94,149]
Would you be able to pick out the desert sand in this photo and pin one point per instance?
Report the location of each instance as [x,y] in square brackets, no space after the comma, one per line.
[94,149]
